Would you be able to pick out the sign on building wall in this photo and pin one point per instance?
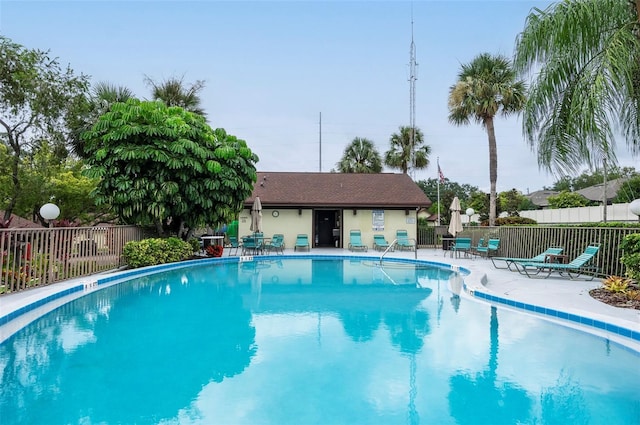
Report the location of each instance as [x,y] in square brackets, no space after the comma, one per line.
[377,217]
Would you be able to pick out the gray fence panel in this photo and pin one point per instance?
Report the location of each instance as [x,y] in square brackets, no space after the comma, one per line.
[527,241]
[38,257]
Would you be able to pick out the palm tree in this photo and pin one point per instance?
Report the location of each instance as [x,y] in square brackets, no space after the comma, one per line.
[106,94]
[407,150]
[486,86]
[87,110]
[499,400]
[174,92]
[360,156]
[586,54]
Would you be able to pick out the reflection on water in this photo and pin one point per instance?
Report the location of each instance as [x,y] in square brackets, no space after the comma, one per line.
[359,325]
[145,346]
[481,399]
[566,400]
[300,341]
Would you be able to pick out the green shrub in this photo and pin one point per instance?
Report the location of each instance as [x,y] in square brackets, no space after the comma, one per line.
[612,224]
[149,252]
[630,247]
[514,221]
[195,244]
[616,284]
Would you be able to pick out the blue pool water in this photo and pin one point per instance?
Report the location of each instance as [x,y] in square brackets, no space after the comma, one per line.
[308,341]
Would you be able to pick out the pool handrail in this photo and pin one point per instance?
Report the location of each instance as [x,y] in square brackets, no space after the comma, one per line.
[394,243]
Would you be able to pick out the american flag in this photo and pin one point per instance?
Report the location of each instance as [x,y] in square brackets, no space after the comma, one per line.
[440,174]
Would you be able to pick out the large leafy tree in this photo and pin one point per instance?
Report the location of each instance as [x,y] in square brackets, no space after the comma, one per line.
[44,177]
[480,202]
[360,156]
[407,150]
[35,97]
[567,200]
[5,173]
[462,191]
[587,178]
[629,191]
[448,190]
[175,92]
[486,87]
[513,201]
[165,166]
[586,59]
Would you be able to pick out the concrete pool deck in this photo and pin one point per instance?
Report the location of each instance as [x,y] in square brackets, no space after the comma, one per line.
[553,294]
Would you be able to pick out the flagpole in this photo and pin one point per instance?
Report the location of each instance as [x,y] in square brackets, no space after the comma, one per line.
[438,180]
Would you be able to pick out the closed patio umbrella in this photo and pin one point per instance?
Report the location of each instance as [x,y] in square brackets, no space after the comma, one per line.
[256,216]
[455,226]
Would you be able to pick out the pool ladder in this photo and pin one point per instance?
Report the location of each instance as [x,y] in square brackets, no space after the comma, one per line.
[394,243]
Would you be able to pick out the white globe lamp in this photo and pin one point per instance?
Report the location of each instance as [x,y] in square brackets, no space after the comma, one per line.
[49,212]
[469,213]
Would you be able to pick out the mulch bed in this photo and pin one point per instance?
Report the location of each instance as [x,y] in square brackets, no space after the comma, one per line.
[614,298]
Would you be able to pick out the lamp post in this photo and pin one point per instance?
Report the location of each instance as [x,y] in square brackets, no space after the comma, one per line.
[469,213]
[634,207]
[50,212]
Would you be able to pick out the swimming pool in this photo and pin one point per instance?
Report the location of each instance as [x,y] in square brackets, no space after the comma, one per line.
[308,340]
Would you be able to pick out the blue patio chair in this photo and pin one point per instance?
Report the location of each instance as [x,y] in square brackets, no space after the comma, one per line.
[579,266]
[540,258]
[403,242]
[276,244]
[233,244]
[302,242]
[380,243]
[474,249]
[492,247]
[461,245]
[251,245]
[355,241]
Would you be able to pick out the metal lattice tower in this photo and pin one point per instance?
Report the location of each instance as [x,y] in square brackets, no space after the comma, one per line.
[413,70]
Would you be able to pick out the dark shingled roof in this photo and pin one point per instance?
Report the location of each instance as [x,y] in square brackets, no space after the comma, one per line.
[541,197]
[18,222]
[345,190]
[594,193]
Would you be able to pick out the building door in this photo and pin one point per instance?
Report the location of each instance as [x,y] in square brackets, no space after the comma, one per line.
[326,223]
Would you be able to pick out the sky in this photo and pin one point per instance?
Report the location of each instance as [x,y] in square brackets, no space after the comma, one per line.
[299,80]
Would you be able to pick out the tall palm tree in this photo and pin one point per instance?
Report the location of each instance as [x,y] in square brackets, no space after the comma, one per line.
[174,92]
[486,86]
[586,56]
[407,150]
[360,156]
